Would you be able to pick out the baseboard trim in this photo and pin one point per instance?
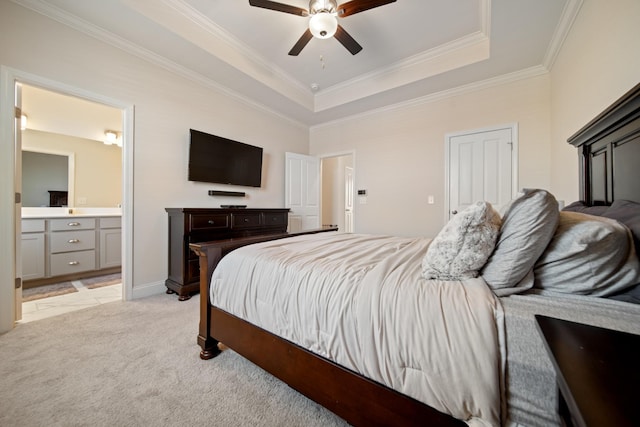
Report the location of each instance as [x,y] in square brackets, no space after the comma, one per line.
[148,289]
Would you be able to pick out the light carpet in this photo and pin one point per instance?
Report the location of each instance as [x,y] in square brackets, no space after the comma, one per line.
[137,364]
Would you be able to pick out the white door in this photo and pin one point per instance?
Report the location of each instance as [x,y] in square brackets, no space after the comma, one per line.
[348,199]
[302,191]
[18,189]
[481,166]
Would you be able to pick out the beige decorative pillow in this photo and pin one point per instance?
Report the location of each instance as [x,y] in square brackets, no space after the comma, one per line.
[464,244]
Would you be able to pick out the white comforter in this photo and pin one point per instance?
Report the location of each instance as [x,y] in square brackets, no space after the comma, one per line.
[360,300]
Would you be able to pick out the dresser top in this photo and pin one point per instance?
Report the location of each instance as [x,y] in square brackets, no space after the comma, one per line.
[224,210]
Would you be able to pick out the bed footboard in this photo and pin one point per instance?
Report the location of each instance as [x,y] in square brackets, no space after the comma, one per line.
[356,399]
[209,255]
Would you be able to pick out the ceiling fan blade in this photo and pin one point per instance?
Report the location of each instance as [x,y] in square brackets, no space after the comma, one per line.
[301,43]
[347,41]
[356,6]
[279,7]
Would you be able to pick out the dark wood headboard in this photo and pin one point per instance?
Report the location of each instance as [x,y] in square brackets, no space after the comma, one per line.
[609,153]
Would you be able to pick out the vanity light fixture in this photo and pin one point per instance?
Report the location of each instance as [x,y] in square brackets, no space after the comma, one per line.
[110,137]
[23,122]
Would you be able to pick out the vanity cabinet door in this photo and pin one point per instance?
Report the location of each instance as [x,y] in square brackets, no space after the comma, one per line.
[110,247]
[32,256]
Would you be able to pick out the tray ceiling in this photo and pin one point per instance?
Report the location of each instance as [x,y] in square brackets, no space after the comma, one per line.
[412,49]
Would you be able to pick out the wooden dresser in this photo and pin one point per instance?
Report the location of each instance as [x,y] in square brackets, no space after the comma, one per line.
[194,225]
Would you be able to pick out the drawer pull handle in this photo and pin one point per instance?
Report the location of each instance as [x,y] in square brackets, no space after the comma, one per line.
[73,224]
[246,220]
[74,241]
[211,222]
[74,262]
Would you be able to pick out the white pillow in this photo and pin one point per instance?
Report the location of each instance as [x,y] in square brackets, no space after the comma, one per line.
[464,244]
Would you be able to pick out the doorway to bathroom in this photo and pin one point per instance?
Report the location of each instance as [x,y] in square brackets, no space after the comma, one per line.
[13,82]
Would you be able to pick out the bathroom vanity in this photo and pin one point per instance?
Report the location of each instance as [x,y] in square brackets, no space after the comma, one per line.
[59,245]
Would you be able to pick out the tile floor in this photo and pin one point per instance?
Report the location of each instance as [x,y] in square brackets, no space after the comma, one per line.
[84,298]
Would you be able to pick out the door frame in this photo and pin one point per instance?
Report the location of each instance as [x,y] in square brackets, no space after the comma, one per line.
[514,158]
[351,153]
[10,229]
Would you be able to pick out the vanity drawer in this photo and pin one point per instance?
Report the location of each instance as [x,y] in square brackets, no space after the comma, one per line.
[72,262]
[62,224]
[115,222]
[208,222]
[242,221]
[67,241]
[32,225]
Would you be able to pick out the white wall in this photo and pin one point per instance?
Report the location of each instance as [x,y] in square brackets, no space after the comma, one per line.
[400,151]
[598,63]
[166,106]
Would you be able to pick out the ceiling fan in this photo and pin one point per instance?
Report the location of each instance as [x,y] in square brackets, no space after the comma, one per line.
[323,21]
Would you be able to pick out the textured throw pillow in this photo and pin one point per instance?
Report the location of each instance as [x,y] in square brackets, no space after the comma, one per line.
[527,227]
[463,245]
[588,255]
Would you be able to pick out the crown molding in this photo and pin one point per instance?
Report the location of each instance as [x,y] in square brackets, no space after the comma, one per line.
[187,22]
[118,42]
[568,17]
[526,73]
[456,54]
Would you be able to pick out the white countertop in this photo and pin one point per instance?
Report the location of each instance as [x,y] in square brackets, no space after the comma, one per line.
[69,212]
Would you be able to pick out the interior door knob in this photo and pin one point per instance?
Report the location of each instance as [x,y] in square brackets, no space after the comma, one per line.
[454,212]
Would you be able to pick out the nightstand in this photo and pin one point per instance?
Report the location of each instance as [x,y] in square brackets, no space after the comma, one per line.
[597,372]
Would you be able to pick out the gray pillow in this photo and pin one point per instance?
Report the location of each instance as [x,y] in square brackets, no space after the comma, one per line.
[628,213]
[588,255]
[582,207]
[463,245]
[527,227]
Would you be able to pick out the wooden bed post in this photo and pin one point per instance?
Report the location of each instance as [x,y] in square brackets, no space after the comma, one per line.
[208,257]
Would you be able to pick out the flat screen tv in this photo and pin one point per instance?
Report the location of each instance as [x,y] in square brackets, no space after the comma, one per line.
[223,161]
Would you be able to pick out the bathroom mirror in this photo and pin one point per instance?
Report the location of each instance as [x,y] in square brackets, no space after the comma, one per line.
[93,170]
[46,178]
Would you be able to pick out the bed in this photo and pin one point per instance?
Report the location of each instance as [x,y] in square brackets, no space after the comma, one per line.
[479,359]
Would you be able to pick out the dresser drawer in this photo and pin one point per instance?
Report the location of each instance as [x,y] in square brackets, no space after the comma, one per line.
[275,219]
[72,262]
[241,221]
[208,221]
[61,224]
[67,241]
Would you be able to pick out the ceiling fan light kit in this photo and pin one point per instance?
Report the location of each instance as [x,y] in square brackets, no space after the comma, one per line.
[323,23]
[329,6]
